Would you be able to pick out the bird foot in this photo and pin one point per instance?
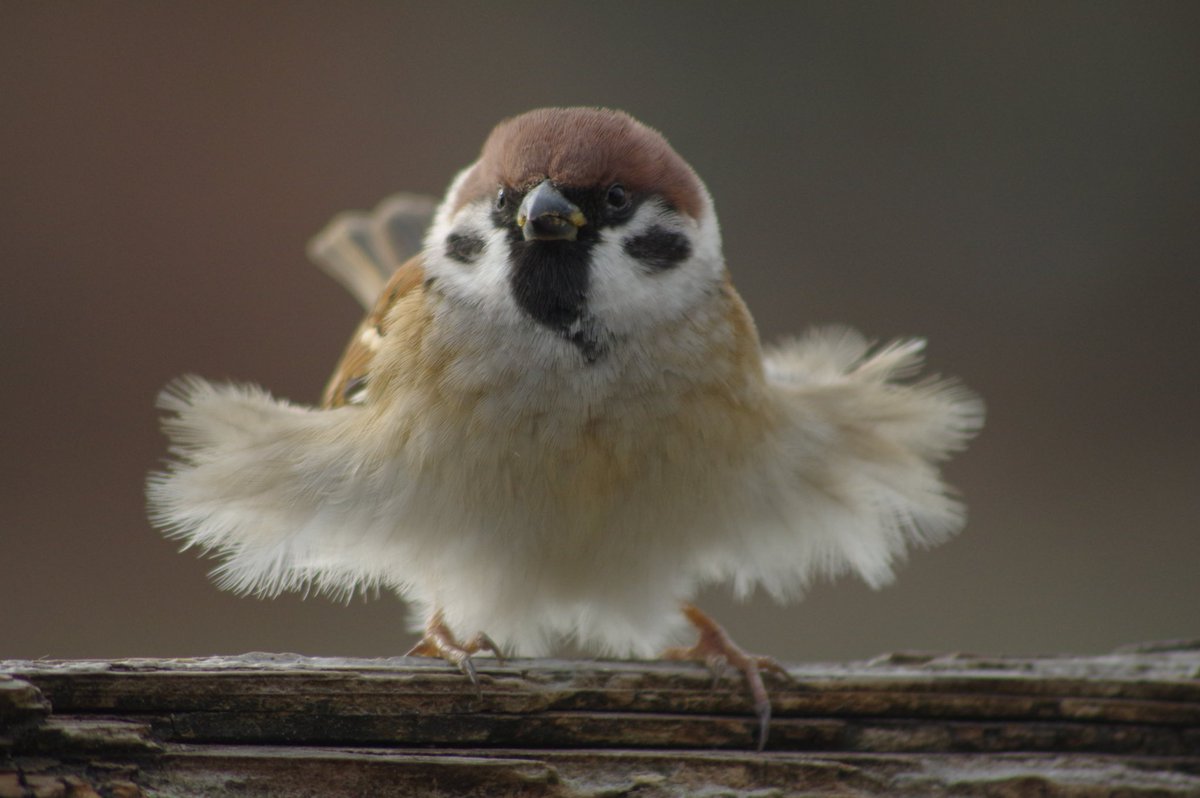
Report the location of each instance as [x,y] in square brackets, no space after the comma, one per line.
[439,641]
[718,652]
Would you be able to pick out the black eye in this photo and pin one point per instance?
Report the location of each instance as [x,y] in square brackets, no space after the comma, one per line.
[501,199]
[617,198]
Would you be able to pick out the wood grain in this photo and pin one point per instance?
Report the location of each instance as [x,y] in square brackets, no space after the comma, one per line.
[906,724]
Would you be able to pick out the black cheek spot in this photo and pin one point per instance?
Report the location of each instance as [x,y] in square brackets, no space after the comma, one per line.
[658,248]
[463,248]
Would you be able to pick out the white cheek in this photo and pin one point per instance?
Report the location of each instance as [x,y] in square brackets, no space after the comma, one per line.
[626,295]
[442,221]
[484,282]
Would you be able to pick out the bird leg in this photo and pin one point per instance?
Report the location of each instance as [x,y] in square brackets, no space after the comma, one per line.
[717,651]
[439,641]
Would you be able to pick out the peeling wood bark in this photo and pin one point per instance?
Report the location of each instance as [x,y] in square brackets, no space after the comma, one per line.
[903,725]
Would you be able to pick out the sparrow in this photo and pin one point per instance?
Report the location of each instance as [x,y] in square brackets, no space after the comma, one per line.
[556,422]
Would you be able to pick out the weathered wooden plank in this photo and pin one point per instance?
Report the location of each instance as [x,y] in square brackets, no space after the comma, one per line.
[20,702]
[905,724]
[399,698]
[256,771]
[401,684]
[589,774]
[599,704]
[81,735]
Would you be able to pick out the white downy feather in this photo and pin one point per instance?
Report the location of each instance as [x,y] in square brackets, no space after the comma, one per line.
[292,499]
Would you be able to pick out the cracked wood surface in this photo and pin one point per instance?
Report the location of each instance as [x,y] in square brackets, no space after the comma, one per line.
[903,724]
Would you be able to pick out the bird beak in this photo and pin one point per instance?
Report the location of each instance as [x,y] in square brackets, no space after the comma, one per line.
[546,215]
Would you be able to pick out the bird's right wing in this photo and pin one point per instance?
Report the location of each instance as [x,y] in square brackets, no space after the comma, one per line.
[373,256]
[281,492]
[348,385]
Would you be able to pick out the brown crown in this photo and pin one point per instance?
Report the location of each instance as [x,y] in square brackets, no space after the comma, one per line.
[582,147]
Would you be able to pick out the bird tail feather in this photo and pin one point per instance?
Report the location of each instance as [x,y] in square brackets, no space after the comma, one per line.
[362,250]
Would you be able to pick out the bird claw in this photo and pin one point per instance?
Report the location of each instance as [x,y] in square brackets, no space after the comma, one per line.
[440,642]
[772,665]
[468,669]
[719,653]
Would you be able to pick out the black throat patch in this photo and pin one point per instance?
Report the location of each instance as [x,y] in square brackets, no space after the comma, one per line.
[550,282]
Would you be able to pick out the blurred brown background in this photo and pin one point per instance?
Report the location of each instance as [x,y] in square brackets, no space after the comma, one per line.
[1019,182]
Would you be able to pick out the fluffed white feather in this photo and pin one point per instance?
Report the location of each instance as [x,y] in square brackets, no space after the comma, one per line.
[499,528]
[852,480]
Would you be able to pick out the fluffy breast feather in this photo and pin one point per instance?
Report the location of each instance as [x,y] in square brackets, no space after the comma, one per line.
[536,498]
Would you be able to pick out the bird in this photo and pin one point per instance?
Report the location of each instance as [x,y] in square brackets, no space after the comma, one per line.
[556,422]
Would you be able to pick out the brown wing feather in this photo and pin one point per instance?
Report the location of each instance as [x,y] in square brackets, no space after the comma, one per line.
[349,379]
